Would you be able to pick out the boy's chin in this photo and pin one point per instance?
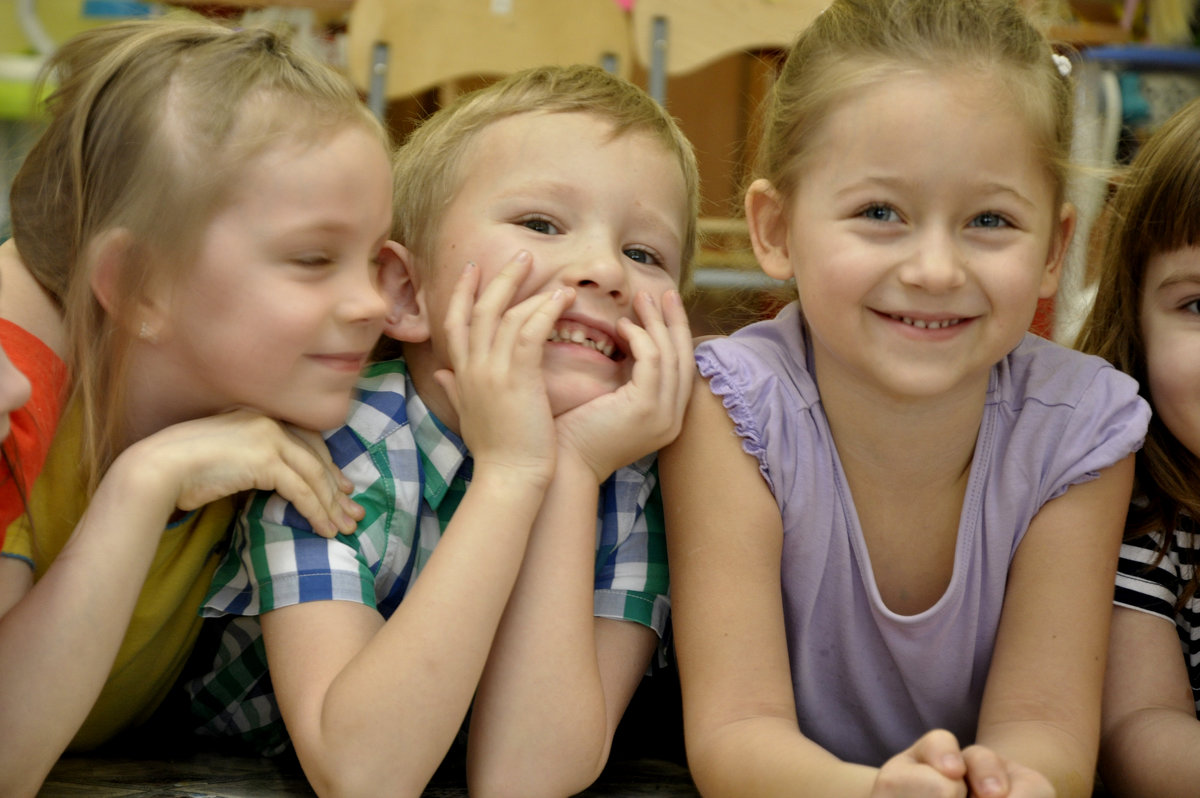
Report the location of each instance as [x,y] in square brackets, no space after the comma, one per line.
[566,396]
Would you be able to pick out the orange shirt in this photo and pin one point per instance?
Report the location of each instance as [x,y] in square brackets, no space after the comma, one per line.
[33,425]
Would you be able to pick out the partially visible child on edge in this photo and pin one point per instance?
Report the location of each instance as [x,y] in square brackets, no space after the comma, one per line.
[32,335]
[15,395]
[893,515]
[1146,320]
[491,457]
[220,205]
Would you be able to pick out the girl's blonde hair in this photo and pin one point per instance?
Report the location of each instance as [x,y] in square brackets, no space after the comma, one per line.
[428,167]
[1155,210]
[859,42]
[148,127]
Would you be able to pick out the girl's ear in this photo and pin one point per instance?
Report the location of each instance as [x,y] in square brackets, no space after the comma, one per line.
[400,283]
[109,256]
[1059,244]
[766,216]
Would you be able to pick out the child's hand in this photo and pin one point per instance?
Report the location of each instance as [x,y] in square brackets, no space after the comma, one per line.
[932,766]
[496,384]
[992,776]
[646,413]
[199,461]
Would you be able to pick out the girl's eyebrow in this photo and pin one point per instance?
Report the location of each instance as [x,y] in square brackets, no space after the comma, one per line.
[1178,277]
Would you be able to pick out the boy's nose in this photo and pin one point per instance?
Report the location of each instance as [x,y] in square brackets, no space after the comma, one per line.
[600,270]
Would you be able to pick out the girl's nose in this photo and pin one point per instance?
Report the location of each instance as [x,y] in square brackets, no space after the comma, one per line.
[363,300]
[936,266]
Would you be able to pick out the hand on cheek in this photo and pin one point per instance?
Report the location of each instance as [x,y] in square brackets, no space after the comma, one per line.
[495,383]
[646,413]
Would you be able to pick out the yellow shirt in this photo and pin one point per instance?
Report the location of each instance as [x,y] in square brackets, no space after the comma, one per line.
[165,622]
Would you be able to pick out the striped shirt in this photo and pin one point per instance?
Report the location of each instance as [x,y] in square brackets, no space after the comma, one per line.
[1153,585]
[410,473]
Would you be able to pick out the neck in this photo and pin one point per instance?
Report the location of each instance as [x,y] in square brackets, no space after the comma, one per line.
[904,443]
[156,396]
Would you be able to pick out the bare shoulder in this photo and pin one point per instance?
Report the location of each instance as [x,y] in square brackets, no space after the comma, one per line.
[25,303]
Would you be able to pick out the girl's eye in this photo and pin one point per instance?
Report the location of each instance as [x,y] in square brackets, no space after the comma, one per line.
[989,219]
[642,256]
[880,213]
[543,226]
[1192,307]
[312,261]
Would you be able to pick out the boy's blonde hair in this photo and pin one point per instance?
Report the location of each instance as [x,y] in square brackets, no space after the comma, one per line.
[1155,210]
[429,166]
[860,42]
[149,127]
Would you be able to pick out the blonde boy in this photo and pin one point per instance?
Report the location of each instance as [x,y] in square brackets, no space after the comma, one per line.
[546,223]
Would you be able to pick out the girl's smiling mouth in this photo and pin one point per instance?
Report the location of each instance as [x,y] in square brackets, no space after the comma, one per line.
[926,324]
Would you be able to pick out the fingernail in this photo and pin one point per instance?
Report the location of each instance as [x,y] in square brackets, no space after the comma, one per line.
[950,761]
[470,265]
[524,256]
[673,297]
[990,786]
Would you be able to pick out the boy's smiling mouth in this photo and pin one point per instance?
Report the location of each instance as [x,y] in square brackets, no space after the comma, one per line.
[575,333]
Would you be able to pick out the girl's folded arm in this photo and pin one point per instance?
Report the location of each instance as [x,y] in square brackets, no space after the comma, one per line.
[725,539]
[1150,736]
[1041,705]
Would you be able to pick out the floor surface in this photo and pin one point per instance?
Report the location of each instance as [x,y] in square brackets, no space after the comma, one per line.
[210,775]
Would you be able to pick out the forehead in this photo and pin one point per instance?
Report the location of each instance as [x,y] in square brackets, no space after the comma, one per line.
[558,141]
[927,126]
[575,153]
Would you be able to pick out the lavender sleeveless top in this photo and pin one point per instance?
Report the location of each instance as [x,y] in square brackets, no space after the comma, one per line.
[868,682]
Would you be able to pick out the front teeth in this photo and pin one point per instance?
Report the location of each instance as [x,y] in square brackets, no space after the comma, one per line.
[928,325]
[577,337]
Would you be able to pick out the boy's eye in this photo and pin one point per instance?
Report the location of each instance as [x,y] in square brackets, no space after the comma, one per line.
[880,213]
[543,226]
[989,219]
[642,256]
[1192,307]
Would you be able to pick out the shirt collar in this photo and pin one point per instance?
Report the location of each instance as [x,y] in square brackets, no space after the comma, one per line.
[444,456]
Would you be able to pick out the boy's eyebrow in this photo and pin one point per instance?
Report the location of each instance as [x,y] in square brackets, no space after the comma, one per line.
[661,221]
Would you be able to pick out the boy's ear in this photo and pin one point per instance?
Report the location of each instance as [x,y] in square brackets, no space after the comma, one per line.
[1060,242]
[400,283]
[766,217]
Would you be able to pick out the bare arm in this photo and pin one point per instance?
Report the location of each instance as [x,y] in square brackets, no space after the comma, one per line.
[67,628]
[558,680]
[367,702]
[24,302]
[739,710]
[1041,706]
[1150,743]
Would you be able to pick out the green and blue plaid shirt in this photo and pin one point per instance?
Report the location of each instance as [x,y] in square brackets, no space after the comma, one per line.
[410,473]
